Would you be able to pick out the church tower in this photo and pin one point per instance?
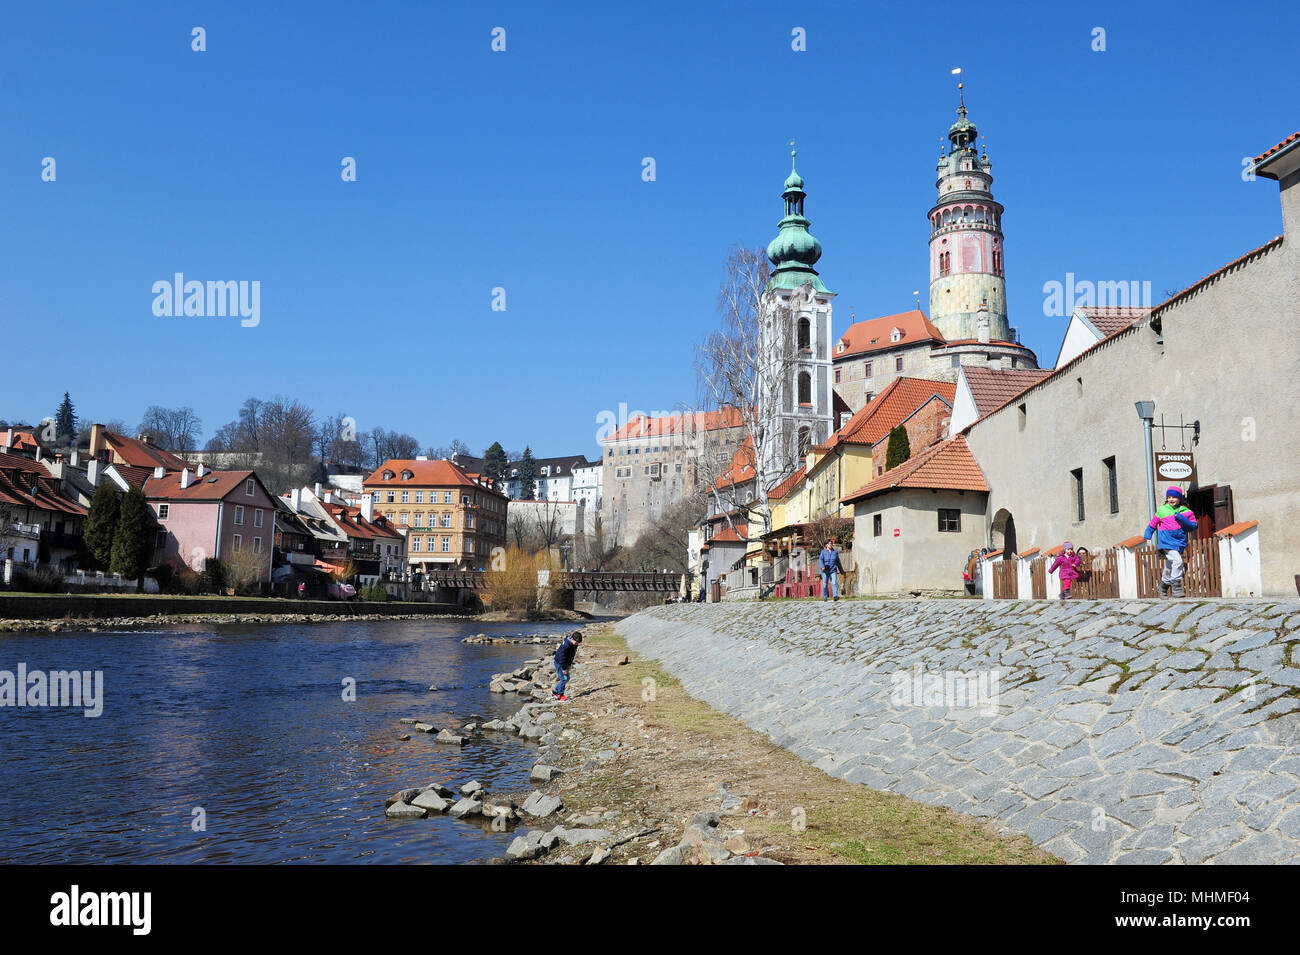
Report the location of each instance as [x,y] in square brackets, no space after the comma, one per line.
[966,246]
[795,310]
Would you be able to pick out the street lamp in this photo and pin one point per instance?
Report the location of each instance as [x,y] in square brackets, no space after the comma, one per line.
[1147,411]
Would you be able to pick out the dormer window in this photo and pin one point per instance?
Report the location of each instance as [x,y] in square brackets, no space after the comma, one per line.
[388,475]
[407,475]
[896,335]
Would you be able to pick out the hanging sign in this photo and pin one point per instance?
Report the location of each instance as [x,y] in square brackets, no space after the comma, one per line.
[1175,466]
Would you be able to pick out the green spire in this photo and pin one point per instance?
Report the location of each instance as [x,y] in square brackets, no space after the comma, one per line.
[794,251]
[962,133]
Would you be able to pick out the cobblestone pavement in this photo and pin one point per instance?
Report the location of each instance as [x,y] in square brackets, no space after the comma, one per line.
[1109,731]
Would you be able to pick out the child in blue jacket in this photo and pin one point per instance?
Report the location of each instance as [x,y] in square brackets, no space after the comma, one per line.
[1171,523]
[564,655]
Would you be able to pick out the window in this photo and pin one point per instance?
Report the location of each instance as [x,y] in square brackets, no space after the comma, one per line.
[1077,475]
[1112,484]
[997,261]
[419,497]
[257,545]
[446,497]
[469,521]
[898,363]
[956,361]
[415,544]
[949,519]
[159,542]
[805,388]
[239,513]
[877,526]
[679,469]
[1078,385]
[446,520]
[837,376]
[239,542]
[419,519]
[163,510]
[866,369]
[446,545]
[401,517]
[1023,415]
[248,487]
[257,517]
[805,335]
[390,497]
[406,497]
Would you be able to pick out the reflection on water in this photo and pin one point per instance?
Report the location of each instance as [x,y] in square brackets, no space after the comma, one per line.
[248,723]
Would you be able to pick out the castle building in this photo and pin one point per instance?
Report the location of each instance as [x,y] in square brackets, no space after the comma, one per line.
[968,298]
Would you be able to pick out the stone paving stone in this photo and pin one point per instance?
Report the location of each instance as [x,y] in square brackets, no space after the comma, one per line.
[1148,784]
[1156,836]
[1043,829]
[1116,741]
[1182,796]
[1264,849]
[1289,825]
[1265,658]
[1200,848]
[1144,857]
[1123,632]
[1063,849]
[1153,722]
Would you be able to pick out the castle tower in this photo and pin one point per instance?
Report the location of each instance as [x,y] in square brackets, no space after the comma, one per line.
[796,314]
[966,243]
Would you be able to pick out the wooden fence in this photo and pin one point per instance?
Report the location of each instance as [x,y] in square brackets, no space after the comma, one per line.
[1005,581]
[1038,578]
[1099,576]
[1202,574]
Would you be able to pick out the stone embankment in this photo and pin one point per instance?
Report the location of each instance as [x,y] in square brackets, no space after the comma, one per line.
[596,836]
[1108,731]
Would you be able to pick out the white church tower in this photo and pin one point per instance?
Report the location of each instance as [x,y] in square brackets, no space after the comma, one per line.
[796,312]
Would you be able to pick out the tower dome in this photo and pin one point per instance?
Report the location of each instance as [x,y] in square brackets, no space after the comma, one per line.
[795,250]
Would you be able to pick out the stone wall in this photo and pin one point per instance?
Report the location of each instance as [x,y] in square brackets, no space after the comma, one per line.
[1108,731]
[54,606]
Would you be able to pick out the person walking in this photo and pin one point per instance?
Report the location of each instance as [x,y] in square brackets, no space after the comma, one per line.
[1067,565]
[1170,525]
[831,569]
[564,655]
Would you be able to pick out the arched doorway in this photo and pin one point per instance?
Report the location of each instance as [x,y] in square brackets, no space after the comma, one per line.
[1004,533]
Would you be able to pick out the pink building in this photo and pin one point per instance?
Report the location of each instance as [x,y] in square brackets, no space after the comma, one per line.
[204,514]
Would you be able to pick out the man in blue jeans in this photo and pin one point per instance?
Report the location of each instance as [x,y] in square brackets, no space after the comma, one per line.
[564,654]
[831,568]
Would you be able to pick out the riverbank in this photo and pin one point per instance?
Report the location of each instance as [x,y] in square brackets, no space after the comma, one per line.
[681,782]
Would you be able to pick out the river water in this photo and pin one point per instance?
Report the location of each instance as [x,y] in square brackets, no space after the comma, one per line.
[248,724]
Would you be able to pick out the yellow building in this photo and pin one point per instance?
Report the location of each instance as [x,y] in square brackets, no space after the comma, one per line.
[451,518]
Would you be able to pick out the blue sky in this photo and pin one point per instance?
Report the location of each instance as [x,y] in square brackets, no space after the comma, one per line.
[522,170]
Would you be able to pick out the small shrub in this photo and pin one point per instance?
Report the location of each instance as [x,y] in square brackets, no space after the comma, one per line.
[374,592]
[39,581]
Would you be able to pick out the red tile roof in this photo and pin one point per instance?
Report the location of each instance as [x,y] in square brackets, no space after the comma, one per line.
[948,465]
[19,476]
[138,454]
[23,440]
[423,474]
[1232,530]
[133,476]
[213,486]
[1268,152]
[685,423]
[728,535]
[873,334]
[741,468]
[355,525]
[788,484]
[992,388]
[1109,319]
[901,398]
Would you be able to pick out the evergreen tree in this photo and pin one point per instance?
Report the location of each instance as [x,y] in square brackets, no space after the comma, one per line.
[899,449]
[65,422]
[494,462]
[101,523]
[527,476]
[133,541]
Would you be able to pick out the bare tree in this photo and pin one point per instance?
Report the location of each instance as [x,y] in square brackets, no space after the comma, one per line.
[176,429]
[747,365]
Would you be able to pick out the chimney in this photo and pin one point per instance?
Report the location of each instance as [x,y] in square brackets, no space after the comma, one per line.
[143,438]
[295,499]
[160,472]
[368,507]
[202,470]
[186,480]
[96,440]
[9,439]
[317,495]
[92,472]
[329,496]
[76,458]
[38,452]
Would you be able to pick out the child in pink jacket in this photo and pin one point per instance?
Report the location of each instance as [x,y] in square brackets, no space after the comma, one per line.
[1068,564]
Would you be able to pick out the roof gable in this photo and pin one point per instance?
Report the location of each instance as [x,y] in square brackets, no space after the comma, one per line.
[948,465]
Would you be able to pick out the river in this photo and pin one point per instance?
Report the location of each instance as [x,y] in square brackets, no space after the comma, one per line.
[234,743]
